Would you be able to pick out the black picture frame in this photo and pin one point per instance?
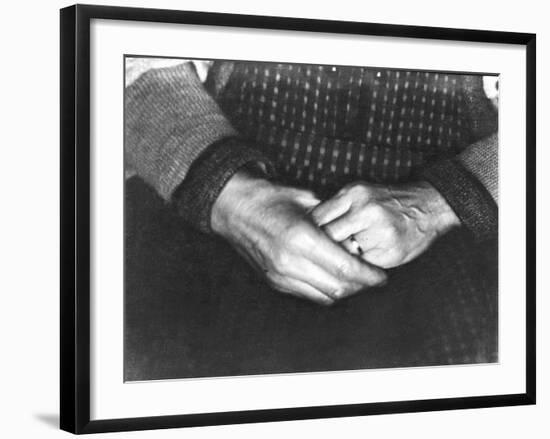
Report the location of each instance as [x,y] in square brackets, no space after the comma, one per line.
[75,217]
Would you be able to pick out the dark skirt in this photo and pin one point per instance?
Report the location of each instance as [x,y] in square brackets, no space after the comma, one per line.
[194,308]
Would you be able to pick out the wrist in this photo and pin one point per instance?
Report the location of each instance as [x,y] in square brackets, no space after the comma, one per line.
[235,199]
[440,216]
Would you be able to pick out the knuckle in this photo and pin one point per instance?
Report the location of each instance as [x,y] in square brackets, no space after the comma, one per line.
[298,237]
[307,242]
[293,234]
[281,261]
[343,270]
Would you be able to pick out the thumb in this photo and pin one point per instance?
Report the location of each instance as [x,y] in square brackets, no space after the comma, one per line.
[330,210]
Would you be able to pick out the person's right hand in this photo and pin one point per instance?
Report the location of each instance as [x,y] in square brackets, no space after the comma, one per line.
[270,226]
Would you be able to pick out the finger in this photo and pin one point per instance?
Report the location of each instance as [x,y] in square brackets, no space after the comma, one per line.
[305,198]
[329,210]
[344,266]
[345,226]
[303,290]
[319,278]
[309,202]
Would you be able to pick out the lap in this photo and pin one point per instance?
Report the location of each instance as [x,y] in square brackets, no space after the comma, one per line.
[193,307]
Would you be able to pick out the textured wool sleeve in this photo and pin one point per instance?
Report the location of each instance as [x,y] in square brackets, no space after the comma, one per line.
[178,140]
[170,120]
[469,183]
[481,159]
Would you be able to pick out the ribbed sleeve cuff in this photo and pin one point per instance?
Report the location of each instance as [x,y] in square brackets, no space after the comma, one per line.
[471,202]
[182,148]
[207,177]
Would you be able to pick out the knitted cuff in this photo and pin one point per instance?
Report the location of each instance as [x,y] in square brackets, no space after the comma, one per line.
[471,202]
[210,173]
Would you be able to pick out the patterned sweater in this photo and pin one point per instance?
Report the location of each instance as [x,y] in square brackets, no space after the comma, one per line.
[317,127]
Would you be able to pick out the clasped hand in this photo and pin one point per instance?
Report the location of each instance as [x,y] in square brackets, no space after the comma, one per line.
[301,246]
[391,225]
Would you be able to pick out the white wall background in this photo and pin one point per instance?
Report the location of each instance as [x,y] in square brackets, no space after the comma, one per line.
[29,238]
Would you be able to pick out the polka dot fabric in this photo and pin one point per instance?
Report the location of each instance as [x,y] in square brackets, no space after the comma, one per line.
[326,126]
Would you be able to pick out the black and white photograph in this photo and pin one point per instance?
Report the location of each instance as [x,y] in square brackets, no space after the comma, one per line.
[284,218]
[275,220]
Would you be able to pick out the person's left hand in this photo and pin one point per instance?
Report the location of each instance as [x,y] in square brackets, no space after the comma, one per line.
[391,225]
